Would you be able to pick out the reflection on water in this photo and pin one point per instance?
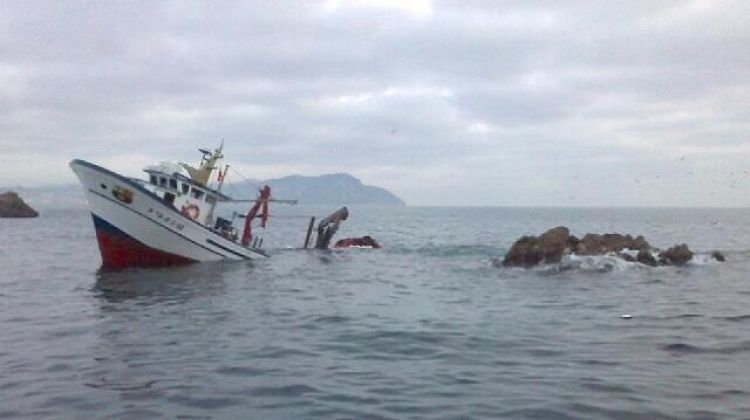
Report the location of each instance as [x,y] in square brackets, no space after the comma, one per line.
[158,330]
[170,283]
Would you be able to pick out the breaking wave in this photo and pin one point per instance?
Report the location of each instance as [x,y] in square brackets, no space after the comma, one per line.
[609,263]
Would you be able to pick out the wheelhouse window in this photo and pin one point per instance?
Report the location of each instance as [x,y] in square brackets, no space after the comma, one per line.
[172,183]
[185,188]
[210,198]
[196,193]
[162,182]
[152,178]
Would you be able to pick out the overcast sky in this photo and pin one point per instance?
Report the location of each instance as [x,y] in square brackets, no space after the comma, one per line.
[574,103]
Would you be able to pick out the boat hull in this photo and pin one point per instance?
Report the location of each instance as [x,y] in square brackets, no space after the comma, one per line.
[135,228]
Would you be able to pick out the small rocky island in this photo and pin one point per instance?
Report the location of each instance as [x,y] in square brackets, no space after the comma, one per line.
[11,205]
[552,245]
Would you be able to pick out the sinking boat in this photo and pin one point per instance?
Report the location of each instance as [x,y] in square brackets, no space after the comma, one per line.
[169,218]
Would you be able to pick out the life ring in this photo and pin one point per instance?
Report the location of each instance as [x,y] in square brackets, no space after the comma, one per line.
[191,210]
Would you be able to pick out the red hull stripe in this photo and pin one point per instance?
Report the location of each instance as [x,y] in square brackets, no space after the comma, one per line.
[120,250]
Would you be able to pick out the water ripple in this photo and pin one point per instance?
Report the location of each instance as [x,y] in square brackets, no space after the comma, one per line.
[294,390]
[737,318]
[425,328]
[741,347]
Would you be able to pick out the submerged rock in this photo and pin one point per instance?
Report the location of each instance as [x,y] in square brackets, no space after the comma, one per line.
[645,257]
[718,256]
[11,205]
[677,255]
[363,242]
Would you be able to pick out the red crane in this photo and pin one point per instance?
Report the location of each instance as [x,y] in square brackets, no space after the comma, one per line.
[261,204]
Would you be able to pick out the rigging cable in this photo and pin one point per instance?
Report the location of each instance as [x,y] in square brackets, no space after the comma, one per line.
[244,178]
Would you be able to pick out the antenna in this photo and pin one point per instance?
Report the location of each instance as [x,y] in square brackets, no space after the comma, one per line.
[218,151]
[206,153]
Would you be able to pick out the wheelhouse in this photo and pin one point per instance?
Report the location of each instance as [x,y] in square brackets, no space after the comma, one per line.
[178,184]
[187,196]
[195,193]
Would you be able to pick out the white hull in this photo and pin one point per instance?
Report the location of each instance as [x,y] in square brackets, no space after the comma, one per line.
[136,228]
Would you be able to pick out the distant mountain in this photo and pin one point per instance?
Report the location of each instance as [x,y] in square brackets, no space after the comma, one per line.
[332,189]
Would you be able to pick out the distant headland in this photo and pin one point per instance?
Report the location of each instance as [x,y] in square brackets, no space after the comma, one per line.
[332,189]
[329,190]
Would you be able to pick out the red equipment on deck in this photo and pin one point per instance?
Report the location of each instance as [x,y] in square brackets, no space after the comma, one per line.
[261,202]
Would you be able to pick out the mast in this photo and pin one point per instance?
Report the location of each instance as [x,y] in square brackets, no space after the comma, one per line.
[210,216]
[202,174]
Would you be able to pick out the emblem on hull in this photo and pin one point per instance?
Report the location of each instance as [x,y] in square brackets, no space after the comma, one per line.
[123,194]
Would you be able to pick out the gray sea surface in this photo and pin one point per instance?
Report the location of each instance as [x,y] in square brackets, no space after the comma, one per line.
[426,327]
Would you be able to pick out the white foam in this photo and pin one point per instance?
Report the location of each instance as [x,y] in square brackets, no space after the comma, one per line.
[597,263]
[702,259]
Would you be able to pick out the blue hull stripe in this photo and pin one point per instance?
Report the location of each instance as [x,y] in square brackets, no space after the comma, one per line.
[102,225]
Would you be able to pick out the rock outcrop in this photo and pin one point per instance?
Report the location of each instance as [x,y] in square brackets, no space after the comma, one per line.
[647,258]
[531,250]
[595,244]
[11,205]
[677,255]
[551,246]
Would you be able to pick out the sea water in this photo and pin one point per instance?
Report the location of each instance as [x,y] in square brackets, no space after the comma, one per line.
[427,327]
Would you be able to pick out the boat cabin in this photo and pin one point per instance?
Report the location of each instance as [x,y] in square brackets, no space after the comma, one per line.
[182,193]
[187,196]
[189,191]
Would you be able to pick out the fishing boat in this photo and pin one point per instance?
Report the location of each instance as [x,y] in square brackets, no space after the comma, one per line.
[170,218]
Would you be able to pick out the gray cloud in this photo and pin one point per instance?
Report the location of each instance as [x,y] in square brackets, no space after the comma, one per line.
[444,102]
